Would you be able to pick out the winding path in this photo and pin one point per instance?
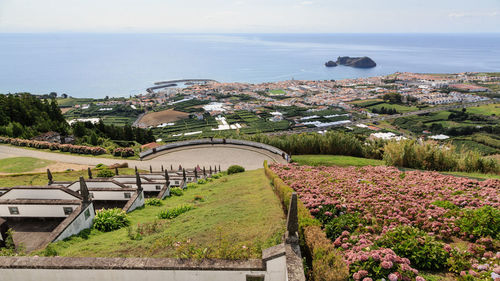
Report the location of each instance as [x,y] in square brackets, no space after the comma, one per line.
[203,155]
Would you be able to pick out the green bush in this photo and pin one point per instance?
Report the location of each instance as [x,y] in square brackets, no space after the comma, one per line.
[105,173]
[176,191]
[481,222]
[341,223]
[421,249]
[153,202]
[174,212]
[235,169]
[458,260]
[110,219]
[191,185]
[201,181]
[216,176]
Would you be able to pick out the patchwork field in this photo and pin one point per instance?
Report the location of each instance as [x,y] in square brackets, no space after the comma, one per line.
[233,217]
[395,225]
[164,116]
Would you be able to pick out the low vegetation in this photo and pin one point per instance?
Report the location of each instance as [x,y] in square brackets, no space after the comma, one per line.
[237,218]
[395,225]
[22,164]
[110,219]
[235,169]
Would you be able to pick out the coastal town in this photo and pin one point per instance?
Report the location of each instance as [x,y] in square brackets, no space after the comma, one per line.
[207,108]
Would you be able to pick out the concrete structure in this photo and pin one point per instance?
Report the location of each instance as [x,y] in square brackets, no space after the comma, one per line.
[43,214]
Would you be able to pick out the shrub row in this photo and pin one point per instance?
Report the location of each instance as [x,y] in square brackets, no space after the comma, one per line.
[123,152]
[80,149]
[431,156]
[327,263]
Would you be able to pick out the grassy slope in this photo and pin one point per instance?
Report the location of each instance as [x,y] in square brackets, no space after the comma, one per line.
[340,160]
[239,209]
[22,164]
[41,178]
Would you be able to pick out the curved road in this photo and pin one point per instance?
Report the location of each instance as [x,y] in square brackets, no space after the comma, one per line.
[203,155]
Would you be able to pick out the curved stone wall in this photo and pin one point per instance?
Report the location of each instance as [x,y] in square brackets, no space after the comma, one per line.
[179,144]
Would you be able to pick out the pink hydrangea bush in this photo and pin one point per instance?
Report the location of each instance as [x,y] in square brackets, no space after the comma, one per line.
[385,198]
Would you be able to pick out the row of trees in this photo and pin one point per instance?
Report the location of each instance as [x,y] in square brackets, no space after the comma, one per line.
[92,132]
[25,116]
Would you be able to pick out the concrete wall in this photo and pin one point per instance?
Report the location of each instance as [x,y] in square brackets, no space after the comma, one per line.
[43,193]
[135,202]
[215,141]
[82,221]
[97,269]
[43,211]
[147,186]
[111,195]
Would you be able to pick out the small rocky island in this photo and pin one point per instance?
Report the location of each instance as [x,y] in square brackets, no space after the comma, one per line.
[358,62]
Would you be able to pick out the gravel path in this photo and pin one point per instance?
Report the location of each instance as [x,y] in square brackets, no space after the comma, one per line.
[203,155]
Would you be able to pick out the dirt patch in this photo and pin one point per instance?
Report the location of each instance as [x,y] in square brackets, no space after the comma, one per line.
[61,167]
[160,117]
[65,109]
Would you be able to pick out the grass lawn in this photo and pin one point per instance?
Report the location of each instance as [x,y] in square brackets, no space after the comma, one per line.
[340,160]
[277,92]
[238,216]
[22,164]
[335,160]
[41,178]
[487,109]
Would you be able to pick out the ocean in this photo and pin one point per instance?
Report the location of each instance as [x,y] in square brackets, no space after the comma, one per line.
[96,65]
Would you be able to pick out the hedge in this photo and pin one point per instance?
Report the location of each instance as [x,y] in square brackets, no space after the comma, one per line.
[327,262]
[79,149]
[123,152]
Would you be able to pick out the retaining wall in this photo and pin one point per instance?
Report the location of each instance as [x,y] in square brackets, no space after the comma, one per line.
[179,144]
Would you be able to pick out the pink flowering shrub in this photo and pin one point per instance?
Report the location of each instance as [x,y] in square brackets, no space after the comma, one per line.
[438,207]
[123,152]
[80,149]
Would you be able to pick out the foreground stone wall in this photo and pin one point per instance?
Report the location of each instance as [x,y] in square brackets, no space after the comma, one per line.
[173,145]
[271,268]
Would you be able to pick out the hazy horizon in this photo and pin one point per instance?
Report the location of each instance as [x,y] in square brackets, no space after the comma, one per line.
[250,16]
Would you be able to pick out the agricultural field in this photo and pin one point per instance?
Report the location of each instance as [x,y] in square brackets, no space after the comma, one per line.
[399,108]
[394,225]
[487,109]
[250,122]
[70,102]
[160,117]
[119,115]
[232,217]
[277,92]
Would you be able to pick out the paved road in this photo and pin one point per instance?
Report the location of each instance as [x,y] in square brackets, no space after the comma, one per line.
[203,155]
[381,118]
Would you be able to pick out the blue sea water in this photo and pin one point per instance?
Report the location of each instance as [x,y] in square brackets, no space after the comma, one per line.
[96,65]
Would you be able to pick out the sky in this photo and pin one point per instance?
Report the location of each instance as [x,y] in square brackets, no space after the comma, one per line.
[251,16]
